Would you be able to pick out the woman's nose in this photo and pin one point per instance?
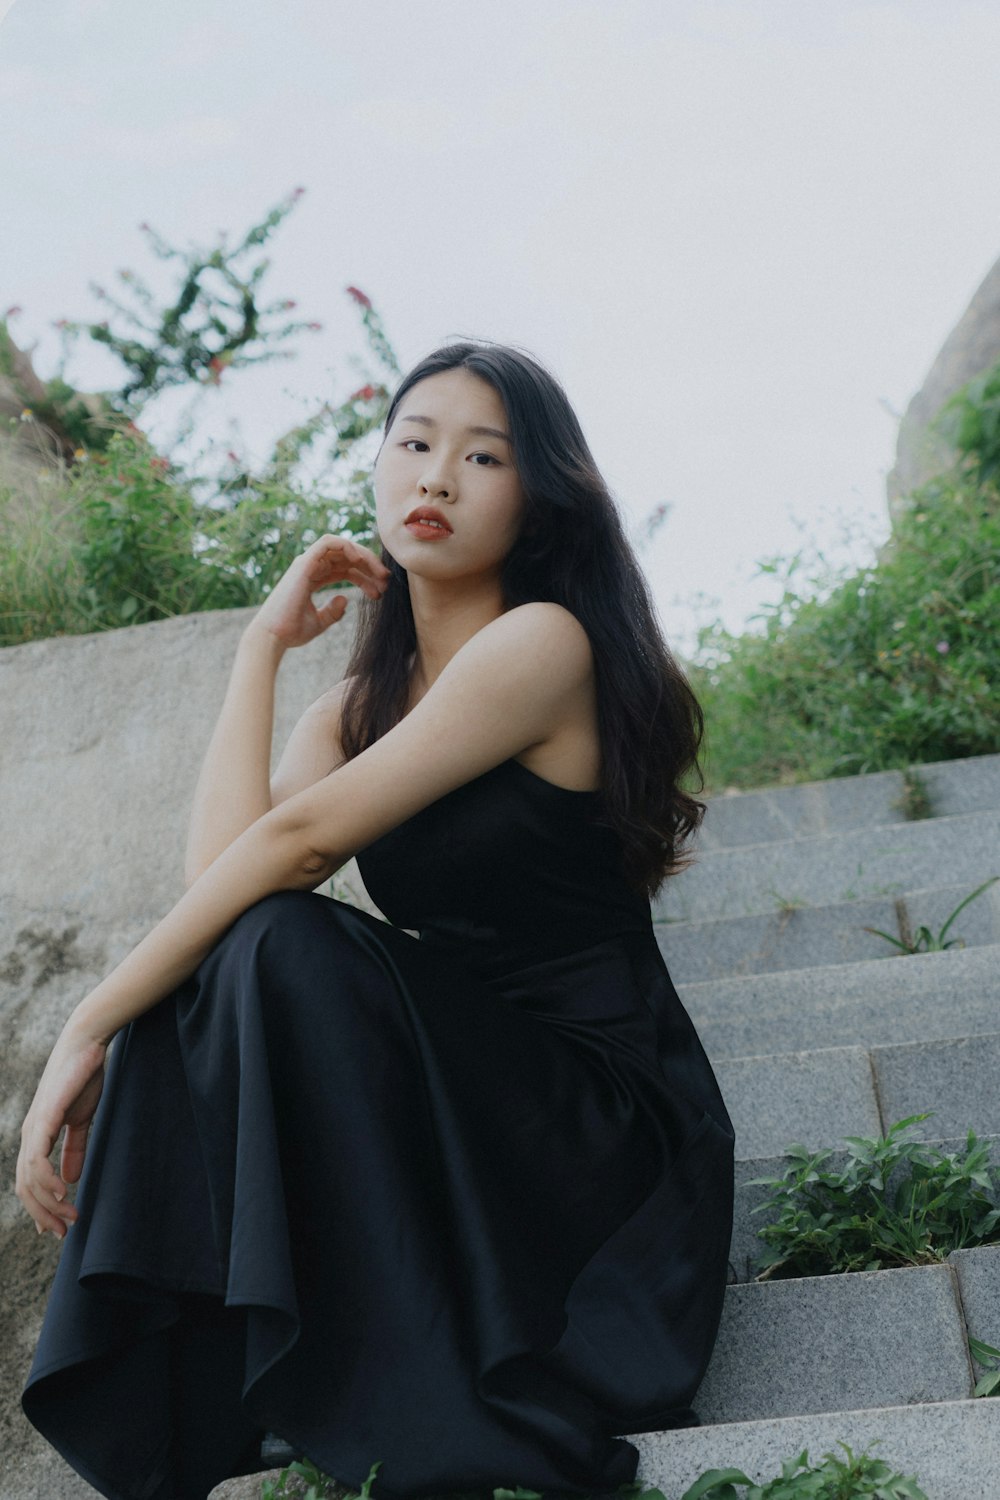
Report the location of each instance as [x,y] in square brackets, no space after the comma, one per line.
[436,482]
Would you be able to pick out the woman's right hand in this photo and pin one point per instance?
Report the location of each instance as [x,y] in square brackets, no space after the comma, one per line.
[289,613]
[67,1095]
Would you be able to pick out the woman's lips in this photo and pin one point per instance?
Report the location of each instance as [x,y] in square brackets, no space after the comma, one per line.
[427,529]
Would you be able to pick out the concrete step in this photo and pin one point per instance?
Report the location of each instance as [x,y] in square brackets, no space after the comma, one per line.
[955,788]
[923,997]
[951,1448]
[805,937]
[819,1096]
[978,1273]
[833,1343]
[746,1245]
[814,1097]
[759,879]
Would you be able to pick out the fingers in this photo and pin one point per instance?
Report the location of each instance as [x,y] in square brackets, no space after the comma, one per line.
[333,609]
[73,1150]
[43,1194]
[362,564]
[40,1188]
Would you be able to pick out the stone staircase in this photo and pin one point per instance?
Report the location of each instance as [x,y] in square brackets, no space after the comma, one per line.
[815,1035]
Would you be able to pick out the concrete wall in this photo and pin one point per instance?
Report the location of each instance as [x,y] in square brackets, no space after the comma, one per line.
[101,742]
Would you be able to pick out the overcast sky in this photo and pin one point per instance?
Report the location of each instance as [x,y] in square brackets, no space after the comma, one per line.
[738,231]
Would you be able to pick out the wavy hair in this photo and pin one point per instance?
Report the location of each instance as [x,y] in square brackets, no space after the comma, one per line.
[573,550]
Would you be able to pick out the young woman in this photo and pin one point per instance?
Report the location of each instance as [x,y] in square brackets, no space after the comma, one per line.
[451,1193]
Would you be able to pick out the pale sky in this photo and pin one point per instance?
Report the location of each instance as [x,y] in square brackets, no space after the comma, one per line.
[738,231]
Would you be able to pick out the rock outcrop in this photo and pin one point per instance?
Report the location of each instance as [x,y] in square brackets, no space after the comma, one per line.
[101,741]
[972,347]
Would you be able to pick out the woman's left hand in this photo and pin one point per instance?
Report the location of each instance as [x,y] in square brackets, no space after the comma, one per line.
[67,1095]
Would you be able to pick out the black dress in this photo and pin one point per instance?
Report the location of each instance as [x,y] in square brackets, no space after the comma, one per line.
[460,1203]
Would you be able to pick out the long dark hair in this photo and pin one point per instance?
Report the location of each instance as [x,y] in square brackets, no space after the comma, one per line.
[572,549]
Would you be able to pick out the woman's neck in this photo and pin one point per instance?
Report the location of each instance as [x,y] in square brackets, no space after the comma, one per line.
[444,618]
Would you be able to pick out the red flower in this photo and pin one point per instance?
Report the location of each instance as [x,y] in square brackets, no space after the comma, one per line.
[288,303]
[297,192]
[12,312]
[144,226]
[159,464]
[234,457]
[314,325]
[359,296]
[364,394]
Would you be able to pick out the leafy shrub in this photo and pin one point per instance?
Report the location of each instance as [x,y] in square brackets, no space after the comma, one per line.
[829,1221]
[897,664]
[832,1479]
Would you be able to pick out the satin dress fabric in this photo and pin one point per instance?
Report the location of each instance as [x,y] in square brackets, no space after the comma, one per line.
[452,1192]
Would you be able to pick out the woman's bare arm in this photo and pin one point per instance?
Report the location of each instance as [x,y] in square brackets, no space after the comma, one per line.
[509,687]
[234,788]
[516,683]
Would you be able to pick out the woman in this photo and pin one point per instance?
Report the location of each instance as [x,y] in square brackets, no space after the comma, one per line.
[453,1192]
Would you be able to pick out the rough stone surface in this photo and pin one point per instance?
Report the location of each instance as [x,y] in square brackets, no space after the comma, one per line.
[249,1487]
[878,1003]
[972,347]
[978,1272]
[101,741]
[827,1343]
[809,808]
[834,867]
[807,937]
[49,959]
[797,938]
[957,1079]
[812,1097]
[952,1448]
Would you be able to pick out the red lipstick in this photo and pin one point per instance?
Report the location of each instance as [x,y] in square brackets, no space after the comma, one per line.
[421,522]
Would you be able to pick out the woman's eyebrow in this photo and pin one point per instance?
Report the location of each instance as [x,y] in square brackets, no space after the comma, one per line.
[480,431]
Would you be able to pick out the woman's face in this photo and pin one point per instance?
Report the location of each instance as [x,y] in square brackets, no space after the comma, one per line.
[434,463]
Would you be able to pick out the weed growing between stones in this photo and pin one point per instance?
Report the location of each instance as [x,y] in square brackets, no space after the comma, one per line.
[925,942]
[829,1222]
[914,801]
[305,1482]
[988,1384]
[831,1479]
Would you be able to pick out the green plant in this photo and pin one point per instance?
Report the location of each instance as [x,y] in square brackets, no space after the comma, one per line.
[786,903]
[319,1486]
[970,422]
[832,1479]
[988,1384]
[829,1221]
[914,802]
[315,1485]
[925,942]
[111,533]
[888,666]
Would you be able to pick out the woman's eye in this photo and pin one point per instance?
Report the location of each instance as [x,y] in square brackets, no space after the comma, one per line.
[488,456]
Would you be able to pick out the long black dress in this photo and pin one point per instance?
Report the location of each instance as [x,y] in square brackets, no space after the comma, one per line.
[460,1203]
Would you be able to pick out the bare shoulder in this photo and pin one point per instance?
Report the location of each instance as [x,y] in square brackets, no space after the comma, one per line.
[331,702]
[550,634]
